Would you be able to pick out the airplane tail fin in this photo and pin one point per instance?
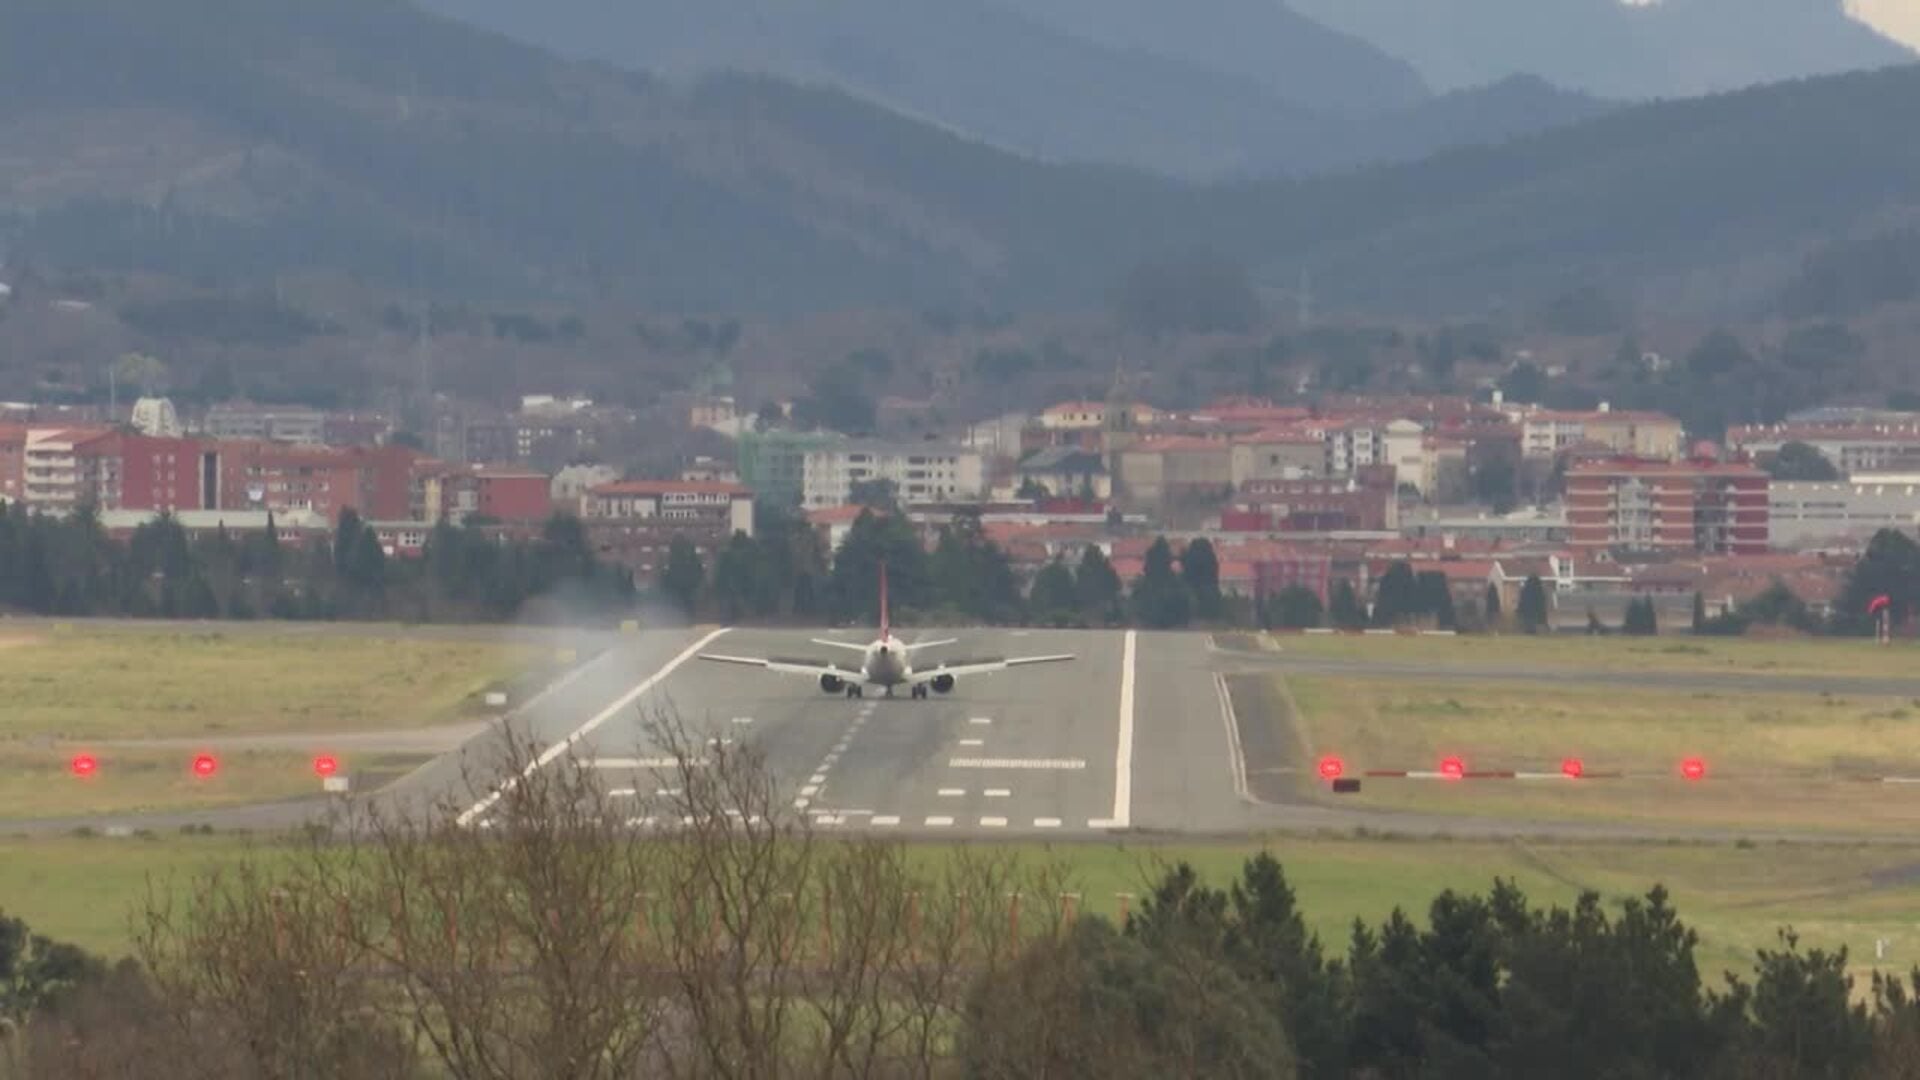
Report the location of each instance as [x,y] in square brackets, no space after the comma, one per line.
[885,622]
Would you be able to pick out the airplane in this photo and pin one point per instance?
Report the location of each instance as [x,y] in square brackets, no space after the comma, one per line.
[886,663]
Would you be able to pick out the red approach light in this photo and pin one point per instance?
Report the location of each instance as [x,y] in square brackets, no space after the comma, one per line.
[1332,768]
[326,765]
[85,765]
[1453,768]
[205,765]
[1693,768]
[1573,768]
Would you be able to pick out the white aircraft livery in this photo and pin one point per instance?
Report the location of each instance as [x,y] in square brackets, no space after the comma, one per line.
[886,662]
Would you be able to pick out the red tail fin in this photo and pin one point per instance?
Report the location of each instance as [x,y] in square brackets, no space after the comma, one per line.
[885,624]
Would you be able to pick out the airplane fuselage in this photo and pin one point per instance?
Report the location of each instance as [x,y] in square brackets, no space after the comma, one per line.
[885,663]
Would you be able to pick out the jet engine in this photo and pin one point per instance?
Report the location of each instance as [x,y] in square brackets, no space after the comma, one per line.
[942,684]
[831,684]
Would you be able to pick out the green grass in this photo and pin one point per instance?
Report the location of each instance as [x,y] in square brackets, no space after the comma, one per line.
[1775,761]
[1812,656]
[92,685]
[36,782]
[83,889]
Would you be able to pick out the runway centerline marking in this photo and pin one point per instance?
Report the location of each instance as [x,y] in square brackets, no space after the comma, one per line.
[939,822]
[1123,753]
[998,793]
[550,753]
[1016,763]
[1046,823]
[980,720]
[973,742]
[993,822]
[952,792]
[887,819]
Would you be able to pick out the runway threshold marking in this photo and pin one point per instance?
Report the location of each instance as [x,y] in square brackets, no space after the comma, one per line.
[1123,752]
[548,755]
[973,742]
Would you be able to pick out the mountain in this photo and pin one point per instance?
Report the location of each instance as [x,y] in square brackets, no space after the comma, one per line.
[1613,48]
[1195,90]
[233,141]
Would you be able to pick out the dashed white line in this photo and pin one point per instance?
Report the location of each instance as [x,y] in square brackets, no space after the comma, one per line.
[637,763]
[810,790]
[980,720]
[952,792]
[998,793]
[619,706]
[817,778]
[973,742]
[802,804]
[1046,823]
[621,793]
[743,719]
[993,823]
[939,822]
[828,819]
[887,819]
[668,793]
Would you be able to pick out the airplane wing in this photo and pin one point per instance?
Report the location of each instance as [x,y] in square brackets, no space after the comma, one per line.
[984,667]
[805,668]
[855,646]
[930,644]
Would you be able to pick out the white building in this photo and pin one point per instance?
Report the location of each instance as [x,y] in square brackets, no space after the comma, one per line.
[280,423]
[156,416]
[725,506]
[1808,515]
[570,485]
[920,471]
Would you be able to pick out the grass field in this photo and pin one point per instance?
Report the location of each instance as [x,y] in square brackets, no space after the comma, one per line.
[90,685]
[37,782]
[1775,761]
[82,889]
[1811,656]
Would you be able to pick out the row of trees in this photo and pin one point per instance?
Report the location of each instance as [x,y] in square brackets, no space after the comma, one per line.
[70,566]
[561,943]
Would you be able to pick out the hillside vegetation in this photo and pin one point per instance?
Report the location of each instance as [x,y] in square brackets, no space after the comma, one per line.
[231,142]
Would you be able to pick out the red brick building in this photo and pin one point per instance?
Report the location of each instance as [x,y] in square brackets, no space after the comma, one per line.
[634,522]
[1629,504]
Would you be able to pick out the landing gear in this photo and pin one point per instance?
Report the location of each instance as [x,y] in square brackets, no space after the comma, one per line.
[855,690]
[919,691]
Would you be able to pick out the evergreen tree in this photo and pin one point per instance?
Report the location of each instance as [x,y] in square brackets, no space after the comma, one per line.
[971,574]
[1641,620]
[682,575]
[1492,606]
[1344,612]
[1053,598]
[1699,613]
[1295,609]
[1890,568]
[1097,587]
[874,539]
[1398,597]
[742,585]
[1200,570]
[1160,598]
[1436,598]
[1533,605]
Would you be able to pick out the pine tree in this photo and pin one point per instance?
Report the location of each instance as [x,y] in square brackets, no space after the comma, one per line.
[1053,597]
[1200,570]
[1492,606]
[1160,598]
[1699,613]
[1398,597]
[1344,612]
[1096,586]
[1533,605]
[683,575]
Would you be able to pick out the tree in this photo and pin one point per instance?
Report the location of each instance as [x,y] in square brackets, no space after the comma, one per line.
[1190,293]
[1160,598]
[1436,598]
[879,493]
[1523,383]
[1345,612]
[1200,570]
[1699,613]
[1801,462]
[1641,619]
[1494,483]
[742,584]
[1492,605]
[1096,586]
[1533,605]
[874,539]
[683,575]
[1053,598]
[971,574]
[1398,597]
[1295,608]
[1890,568]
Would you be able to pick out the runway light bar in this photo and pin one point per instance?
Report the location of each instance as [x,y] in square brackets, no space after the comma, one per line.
[205,765]
[1573,768]
[85,765]
[1332,768]
[1693,769]
[1453,768]
[326,765]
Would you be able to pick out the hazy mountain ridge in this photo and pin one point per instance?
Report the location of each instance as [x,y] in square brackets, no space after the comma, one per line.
[210,141]
[1671,48]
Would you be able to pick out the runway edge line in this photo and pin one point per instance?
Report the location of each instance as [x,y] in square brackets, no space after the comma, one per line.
[1123,756]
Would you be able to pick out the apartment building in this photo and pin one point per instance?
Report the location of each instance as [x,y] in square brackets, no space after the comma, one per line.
[1845,514]
[1853,447]
[277,423]
[1636,505]
[919,471]
[634,522]
[1546,433]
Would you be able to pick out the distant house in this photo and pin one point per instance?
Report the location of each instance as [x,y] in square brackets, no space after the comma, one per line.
[1066,471]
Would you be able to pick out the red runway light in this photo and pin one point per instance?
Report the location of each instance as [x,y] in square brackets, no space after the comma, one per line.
[1453,768]
[1573,768]
[326,765]
[205,765]
[1693,768]
[85,765]
[1332,768]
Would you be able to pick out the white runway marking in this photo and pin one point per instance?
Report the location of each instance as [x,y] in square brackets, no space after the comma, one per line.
[563,746]
[638,763]
[1236,758]
[1046,823]
[802,803]
[810,790]
[817,778]
[621,793]
[1016,763]
[998,793]
[939,822]
[1123,754]
[993,822]
[668,792]
[952,792]
[887,819]
[973,742]
[743,719]
[980,720]
[827,819]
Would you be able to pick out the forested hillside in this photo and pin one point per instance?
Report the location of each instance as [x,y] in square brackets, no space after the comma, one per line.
[230,141]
